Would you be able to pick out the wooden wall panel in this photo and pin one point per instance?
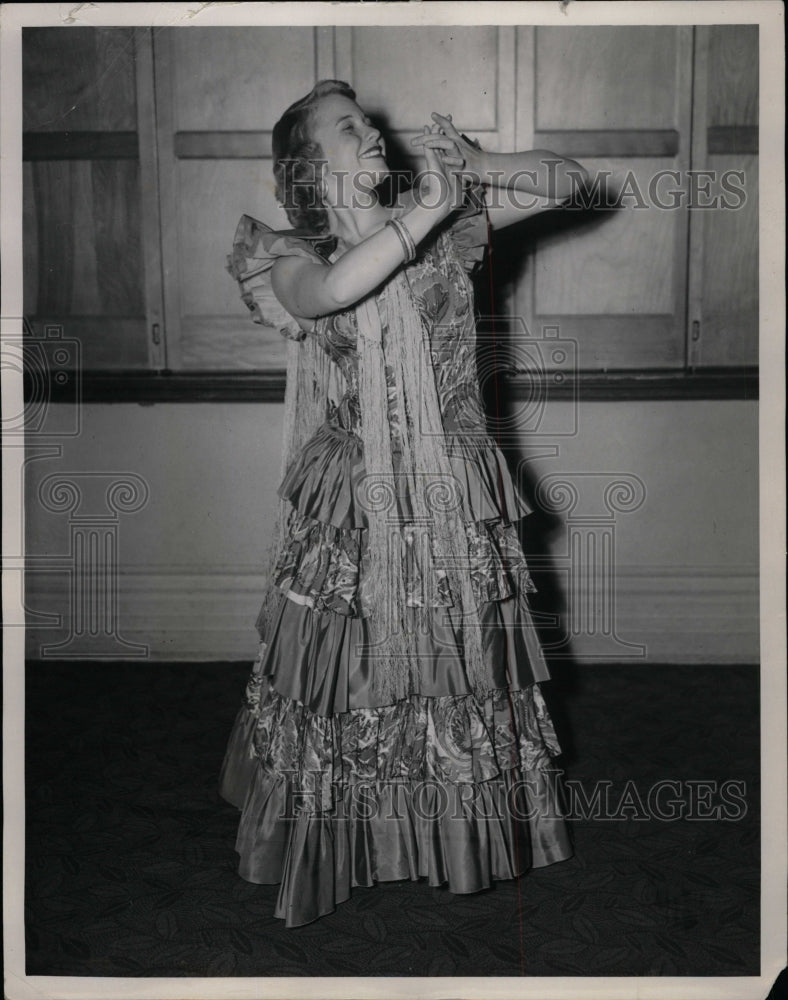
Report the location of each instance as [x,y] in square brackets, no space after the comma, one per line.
[619,100]
[82,192]
[622,264]
[723,293]
[213,194]
[452,69]
[219,93]
[617,279]
[117,342]
[116,199]
[606,343]
[150,201]
[730,274]
[605,78]
[82,229]
[729,280]
[240,79]
[85,298]
[218,343]
[53,194]
[733,70]
[78,79]
[30,258]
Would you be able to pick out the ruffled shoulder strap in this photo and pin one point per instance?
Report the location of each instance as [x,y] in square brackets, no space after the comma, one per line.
[469,229]
[256,247]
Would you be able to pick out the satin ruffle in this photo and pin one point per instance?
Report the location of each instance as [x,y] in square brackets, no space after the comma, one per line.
[323,812]
[463,837]
[323,481]
[322,659]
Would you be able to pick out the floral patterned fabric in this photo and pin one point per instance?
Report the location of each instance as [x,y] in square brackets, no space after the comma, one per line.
[450,739]
[325,564]
[294,762]
[439,279]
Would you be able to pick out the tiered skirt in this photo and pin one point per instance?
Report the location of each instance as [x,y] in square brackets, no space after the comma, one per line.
[337,790]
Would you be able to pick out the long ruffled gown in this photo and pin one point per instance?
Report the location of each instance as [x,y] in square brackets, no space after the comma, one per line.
[335,789]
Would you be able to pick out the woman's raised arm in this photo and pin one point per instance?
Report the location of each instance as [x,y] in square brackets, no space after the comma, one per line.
[517,184]
[307,289]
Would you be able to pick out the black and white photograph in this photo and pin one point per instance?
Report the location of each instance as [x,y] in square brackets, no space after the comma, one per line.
[394,500]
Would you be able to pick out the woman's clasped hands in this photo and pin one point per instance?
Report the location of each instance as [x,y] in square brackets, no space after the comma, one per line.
[453,161]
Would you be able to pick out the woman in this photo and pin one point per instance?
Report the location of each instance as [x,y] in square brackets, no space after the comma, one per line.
[393,725]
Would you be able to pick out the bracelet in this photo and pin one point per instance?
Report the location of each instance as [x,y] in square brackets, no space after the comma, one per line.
[402,231]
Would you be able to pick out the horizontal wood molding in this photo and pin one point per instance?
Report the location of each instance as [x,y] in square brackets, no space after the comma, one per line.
[611,341]
[222,145]
[609,142]
[137,386]
[208,613]
[92,343]
[732,139]
[594,142]
[80,146]
[721,383]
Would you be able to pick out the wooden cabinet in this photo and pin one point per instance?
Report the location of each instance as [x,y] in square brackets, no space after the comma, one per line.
[612,278]
[723,307]
[219,94]
[82,218]
[143,155]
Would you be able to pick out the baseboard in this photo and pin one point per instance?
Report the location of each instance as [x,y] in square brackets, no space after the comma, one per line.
[661,615]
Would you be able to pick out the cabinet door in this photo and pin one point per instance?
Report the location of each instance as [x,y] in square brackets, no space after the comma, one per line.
[83,231]
[618,99]
[724,237]
[219,93]
[467,72]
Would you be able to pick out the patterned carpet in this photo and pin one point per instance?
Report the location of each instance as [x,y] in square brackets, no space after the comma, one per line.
[131,869]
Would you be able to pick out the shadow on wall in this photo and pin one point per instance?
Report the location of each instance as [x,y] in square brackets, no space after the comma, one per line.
[506,268]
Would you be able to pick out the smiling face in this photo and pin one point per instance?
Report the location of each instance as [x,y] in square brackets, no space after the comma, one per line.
[352,147]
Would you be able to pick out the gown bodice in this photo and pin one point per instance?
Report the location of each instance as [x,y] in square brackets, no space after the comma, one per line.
[443,293]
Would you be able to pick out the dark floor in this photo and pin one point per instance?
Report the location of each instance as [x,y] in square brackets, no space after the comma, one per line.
[131,868]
